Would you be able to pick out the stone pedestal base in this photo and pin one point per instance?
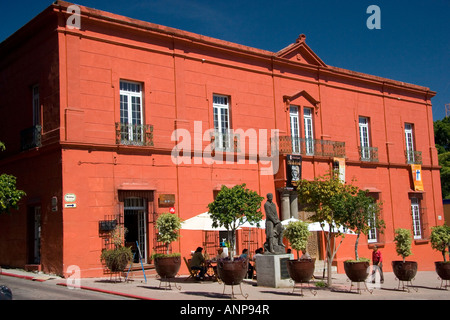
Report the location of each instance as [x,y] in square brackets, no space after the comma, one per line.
[271,270]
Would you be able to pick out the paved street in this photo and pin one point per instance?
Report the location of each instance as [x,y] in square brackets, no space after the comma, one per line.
[424,287]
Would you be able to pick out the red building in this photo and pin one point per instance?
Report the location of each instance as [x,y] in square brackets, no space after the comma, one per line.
[95,106]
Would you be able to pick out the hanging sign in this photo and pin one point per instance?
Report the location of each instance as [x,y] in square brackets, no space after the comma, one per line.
[416,171]
[293,169]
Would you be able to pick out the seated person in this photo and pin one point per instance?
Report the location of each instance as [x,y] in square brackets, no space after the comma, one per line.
[198,262]
[221,254]
[244,255]
[305,255]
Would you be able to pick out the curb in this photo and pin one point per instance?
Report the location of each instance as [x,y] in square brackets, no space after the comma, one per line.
[22,277]
[104,291]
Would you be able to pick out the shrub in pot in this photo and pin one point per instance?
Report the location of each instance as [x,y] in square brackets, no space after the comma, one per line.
[363,214]
[232,208]
[117,258]
[300,270]
[404,270]
[440,241]
[167,265]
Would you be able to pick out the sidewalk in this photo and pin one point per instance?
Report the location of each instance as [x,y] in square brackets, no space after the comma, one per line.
[425,286]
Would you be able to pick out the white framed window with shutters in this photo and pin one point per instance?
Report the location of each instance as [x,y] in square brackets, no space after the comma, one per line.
[364,138]
[131,113]
[409,141]
[295,128]
[416,219]
[309,132]
[222,127]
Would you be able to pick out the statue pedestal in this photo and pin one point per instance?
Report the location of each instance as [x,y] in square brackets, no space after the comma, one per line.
[271,270]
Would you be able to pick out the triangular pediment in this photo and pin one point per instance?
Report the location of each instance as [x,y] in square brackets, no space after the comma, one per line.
[300,52]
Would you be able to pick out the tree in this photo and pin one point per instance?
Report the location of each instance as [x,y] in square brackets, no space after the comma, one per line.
[363,215]
[168,225]
[440,239]
[442,140]
[233,207]
[297,233]
[403,241]
[9,195]
[329,198]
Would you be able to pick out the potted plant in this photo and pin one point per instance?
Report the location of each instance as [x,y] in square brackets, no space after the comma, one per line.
[440,241]
[363,215]
[404,270]
[232,208]
[117,258]
[167,264]
[300,270]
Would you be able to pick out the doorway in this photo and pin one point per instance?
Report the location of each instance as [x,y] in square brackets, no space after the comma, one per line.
[135,222]
[34,235]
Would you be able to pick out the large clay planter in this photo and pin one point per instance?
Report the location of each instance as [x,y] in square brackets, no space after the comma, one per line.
[167,267]
[404,271]
[357,271]
[232,272]
[301,270]
[443,269]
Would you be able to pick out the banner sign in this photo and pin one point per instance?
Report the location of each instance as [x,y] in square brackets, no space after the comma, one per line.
[293,170]
[416,171]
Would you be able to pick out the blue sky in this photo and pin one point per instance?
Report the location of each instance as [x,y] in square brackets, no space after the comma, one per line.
[413,44]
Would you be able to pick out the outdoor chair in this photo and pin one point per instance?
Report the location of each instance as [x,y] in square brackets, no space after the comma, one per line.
[192,273]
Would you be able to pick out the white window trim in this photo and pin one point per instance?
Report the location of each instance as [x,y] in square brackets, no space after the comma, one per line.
[364,137]
[133,135]
[415,211]
[409,141]
[222,123]
[295,128]
[309,130]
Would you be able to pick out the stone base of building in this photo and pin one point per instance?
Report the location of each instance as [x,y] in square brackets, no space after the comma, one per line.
[271,270]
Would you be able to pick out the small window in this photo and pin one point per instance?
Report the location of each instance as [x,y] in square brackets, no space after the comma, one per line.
[221,114]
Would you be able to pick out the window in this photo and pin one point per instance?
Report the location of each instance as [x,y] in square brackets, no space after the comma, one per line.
[36,106]
[221,114]
[364,138]
[295,130]
[131,115]
[409,140]
[372,235]
[415,209]
[309,133]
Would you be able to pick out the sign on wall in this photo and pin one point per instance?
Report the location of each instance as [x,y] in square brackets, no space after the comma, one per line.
[166,200]
[293,170]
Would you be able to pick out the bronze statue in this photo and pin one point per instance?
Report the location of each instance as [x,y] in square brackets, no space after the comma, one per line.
[274,228]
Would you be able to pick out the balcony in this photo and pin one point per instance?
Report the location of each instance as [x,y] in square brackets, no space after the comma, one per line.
[226,142]
[413,157]
[134,134]
[311,147]
[31,138]
[368,154]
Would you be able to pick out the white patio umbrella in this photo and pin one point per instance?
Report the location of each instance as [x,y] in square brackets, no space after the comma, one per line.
[287,221]
[246,224]
[315,226]
[201,221]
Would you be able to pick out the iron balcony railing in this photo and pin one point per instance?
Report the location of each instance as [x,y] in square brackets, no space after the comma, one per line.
[134,134]
[225,141]
[311,147]
[31,138]
[413,157]
[368,154]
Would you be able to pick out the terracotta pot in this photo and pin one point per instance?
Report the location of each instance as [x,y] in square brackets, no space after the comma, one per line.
[404,271]
[232,272]
[443,269]
[167,267]
[301,270]
[357,271]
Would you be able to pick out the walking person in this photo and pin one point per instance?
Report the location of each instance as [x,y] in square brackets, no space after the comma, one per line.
[377,261]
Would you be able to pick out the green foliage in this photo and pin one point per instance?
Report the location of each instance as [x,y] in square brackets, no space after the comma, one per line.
[117,259]
[440,239]
[403,241]
[164,255]
[9,195]
[235,206]
[442,140]
[297,233]
[168,225]
[358,260]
